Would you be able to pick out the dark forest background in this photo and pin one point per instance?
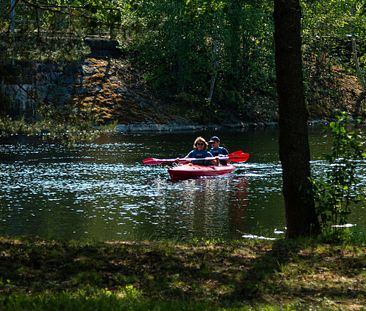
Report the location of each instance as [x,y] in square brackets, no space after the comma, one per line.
[206,60]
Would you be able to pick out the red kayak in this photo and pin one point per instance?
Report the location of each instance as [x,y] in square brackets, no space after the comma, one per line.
[187,171]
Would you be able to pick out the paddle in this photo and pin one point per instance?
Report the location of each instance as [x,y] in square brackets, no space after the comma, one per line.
[237,156]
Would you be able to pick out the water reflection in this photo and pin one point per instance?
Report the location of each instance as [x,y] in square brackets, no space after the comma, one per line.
[238,208]
[213,207]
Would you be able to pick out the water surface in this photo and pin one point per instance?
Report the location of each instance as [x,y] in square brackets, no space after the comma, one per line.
[101,191]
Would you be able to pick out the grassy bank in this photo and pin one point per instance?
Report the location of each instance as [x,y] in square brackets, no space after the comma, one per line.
[280,275]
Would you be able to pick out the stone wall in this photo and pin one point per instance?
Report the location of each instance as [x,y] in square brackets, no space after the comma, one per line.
[24,86]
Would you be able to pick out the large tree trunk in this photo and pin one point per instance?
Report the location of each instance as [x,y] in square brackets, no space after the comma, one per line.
[293,116]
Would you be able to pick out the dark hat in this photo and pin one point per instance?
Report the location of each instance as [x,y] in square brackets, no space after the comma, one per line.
[213,139]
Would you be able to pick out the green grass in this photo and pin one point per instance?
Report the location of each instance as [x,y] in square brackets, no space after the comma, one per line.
[239,275]
[92,299]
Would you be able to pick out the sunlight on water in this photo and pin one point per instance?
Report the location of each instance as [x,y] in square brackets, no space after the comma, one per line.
[102,191]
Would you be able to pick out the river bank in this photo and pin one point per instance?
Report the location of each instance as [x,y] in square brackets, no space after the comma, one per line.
[85,131]
[200,275]
[186,127]
[148,127]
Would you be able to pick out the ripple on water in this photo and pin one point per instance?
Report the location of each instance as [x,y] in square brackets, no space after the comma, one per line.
[101,191]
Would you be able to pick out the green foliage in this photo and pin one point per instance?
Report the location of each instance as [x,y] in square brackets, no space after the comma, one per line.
[339,188]
[55,30]
[186,47]
[328,30]
[208,55]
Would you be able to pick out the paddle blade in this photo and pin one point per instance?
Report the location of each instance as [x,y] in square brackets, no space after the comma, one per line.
[236,153]
[238,157]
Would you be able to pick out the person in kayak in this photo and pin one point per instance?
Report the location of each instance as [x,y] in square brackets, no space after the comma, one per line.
[200,151]
[216,150]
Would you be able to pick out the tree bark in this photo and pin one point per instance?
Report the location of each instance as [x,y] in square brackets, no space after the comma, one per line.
[294,148]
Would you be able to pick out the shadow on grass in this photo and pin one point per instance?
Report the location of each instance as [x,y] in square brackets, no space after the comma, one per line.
[263,268]
[296,271]
[226,274]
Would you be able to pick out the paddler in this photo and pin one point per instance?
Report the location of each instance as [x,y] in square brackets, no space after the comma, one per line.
[200,151]
[216,150]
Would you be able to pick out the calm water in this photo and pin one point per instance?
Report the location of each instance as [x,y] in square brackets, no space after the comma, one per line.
[102,191]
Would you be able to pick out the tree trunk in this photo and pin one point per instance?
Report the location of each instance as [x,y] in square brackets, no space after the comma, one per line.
[293,116]
[215,65]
